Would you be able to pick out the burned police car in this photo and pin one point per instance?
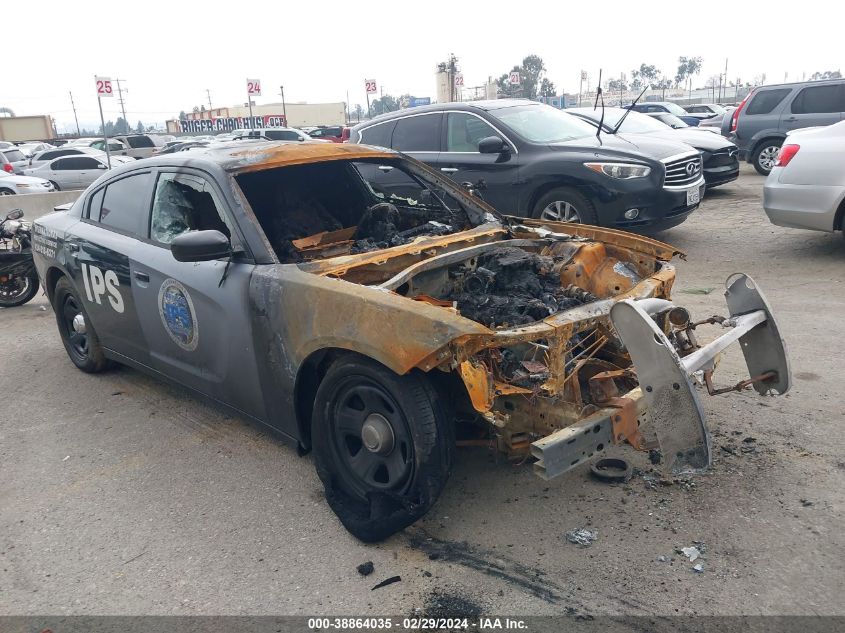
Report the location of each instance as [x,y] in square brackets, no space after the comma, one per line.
[373,319]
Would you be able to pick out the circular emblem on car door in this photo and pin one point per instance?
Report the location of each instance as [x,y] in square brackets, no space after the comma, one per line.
[177,314]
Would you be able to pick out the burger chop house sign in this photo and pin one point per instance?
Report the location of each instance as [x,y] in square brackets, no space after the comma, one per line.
[226,124]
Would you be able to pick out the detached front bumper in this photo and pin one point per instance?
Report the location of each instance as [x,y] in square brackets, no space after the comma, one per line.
[666,396]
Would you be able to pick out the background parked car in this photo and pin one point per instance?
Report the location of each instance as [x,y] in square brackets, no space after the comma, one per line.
[274,134]
[139,145]
[806,187]
[530,159]
[720,156]
[706,110]
[761,122]
[75,172]
[33,148]
[12,184]
[116,147]
[6,144]
[666,106]
[333,133]
[47,155]
[12,159]
[172,148]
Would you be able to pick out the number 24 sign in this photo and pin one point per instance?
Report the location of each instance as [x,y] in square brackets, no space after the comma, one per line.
[253,87]
[104,88]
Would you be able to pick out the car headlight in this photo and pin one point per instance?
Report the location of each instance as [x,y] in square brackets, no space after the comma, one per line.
[623,171]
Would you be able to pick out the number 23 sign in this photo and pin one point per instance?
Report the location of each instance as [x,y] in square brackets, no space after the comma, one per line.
[253,87]
[104,88]
[370,85]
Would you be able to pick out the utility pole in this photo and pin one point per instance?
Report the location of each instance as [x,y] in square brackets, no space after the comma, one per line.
[122,108]
[726,78]
[75,118]
[284,107]
[208,92]
[580,86]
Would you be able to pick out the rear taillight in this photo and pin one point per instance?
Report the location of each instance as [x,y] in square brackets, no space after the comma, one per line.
[8,167]
[735,115]
[786,153]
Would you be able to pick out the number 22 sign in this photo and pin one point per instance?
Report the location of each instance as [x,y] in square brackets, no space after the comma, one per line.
[104,88]
[253,87]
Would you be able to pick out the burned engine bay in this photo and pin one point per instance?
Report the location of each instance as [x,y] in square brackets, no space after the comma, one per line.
[511,284]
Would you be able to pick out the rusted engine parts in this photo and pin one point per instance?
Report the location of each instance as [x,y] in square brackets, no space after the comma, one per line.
[533,387]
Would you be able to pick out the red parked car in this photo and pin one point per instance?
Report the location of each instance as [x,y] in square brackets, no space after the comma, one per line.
[333,133]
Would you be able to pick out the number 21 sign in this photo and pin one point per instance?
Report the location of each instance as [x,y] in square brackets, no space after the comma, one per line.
[104,88]
[253,87]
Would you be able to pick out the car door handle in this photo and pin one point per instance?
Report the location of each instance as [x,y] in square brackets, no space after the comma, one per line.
[448,170]
[791,118]
[142,276]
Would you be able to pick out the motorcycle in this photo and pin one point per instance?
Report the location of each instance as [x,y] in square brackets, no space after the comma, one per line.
[18,279]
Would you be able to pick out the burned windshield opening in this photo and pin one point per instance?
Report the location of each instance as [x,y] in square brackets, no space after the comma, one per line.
[340,207]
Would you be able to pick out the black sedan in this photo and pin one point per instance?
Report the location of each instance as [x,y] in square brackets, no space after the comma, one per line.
[721,162]
[530,159]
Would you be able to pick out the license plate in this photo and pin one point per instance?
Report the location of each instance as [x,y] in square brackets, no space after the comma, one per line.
[693,196]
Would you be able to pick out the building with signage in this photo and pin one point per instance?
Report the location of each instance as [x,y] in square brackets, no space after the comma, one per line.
[265,115]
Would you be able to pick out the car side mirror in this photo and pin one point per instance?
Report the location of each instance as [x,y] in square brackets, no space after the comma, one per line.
[492,145]
[15,214]
[101,166]
[200,246]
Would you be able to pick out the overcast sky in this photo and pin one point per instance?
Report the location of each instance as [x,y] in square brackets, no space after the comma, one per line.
[170,52]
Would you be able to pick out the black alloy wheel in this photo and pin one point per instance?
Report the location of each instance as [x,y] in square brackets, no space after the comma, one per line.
[76,331]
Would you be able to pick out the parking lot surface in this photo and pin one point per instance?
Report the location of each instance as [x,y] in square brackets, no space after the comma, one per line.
[123,495]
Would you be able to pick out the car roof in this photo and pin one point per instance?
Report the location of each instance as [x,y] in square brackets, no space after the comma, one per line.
[794,84]
[247,156]
[465,106]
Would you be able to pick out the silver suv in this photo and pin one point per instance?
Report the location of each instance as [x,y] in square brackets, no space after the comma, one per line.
[761,122]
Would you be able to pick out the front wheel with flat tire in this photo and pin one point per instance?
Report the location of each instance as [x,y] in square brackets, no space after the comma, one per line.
[565,204]
[6,192]
[382,446]
[78,336]
[765,156]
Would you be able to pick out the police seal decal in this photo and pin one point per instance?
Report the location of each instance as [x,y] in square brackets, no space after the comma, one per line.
[177,314]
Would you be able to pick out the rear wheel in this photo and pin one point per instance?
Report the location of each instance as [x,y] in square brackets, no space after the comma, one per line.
[382,446]
[765,156]
[16,290]
[55,185]
[565,205]
[78,336]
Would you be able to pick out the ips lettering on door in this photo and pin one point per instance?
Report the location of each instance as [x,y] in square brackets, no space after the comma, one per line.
[98,283]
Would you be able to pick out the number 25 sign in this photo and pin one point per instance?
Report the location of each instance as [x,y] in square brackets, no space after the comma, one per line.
[253,87]
[104,88]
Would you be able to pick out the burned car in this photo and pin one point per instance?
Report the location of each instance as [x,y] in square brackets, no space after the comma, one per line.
[373,324]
